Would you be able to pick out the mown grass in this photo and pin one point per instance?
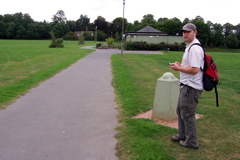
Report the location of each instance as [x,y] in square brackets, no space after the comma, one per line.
[135,77]
[26,63]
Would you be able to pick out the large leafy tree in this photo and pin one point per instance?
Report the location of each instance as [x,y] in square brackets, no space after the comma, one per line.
[186,20]
[228,29]
[148,20]
[197,19]
[218,39]
[82,23]
[232,41]
[161,20]
[59,17]
[171,26]
[60,29]
[71,25]
[204,32]
[238,31]
[38,30]
[21,32]
[11,30]
[2,29]
[135,26]
[102,24]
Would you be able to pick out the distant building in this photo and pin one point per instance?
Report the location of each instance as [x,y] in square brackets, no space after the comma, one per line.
[151,35]
[78,33]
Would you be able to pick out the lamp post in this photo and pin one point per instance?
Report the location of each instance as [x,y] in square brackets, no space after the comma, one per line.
[96,35]
[122,28]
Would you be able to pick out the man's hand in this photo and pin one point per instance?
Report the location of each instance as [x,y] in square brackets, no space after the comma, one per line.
[191,70]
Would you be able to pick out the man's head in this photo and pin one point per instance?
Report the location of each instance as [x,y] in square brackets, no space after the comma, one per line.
[189,31]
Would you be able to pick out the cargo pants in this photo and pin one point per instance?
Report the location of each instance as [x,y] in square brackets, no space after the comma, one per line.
[186,110]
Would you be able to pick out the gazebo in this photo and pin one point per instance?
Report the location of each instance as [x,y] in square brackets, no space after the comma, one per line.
[151,35]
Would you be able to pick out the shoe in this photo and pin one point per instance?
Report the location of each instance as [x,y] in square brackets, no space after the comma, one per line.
[183,144]
[176,138]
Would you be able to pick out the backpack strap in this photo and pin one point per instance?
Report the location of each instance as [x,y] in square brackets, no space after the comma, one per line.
[216,92]
[198,44]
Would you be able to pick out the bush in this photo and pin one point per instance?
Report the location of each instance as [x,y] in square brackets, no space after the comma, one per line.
[81,40]
[154,47]
[59,43]
[98,45]
[109,41]
[56,43]
[70,36]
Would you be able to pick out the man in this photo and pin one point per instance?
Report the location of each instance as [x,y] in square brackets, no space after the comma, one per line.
[190,88]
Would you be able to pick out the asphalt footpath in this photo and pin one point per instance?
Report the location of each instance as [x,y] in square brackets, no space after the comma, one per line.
[71,116]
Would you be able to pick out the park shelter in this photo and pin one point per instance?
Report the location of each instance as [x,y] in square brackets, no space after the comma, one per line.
[151,35]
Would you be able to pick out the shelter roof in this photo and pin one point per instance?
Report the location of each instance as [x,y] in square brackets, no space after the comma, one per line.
[148,30]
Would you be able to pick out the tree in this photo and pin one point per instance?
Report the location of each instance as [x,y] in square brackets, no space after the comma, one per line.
[2,29]
[197,19]
[227,29]
[217,27]
[134,27]
[237,31]
[8,18]
[102,25]
[71,25]
[11,30]
[185,21]
[117,25]
[82,23]
[32,32]
[26,20]
[38,30]
[101,36]
[171,26]
[148,20]
[218,39]
[87,36]
[204,32]
[59,17]
[161,20]
[60,29]
[21,32]
[232,41]
[1,17]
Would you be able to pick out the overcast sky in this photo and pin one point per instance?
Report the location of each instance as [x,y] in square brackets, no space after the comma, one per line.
[217,11]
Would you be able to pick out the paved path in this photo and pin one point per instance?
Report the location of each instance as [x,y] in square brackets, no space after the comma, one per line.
[71,116]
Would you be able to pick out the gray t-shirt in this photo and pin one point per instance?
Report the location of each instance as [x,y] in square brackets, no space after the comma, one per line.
[193,58]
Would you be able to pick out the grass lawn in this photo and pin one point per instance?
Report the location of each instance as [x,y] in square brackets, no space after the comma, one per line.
[135,77]
[26,63]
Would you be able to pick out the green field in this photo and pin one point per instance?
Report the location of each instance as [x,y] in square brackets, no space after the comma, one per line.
[135,78]
[26,63]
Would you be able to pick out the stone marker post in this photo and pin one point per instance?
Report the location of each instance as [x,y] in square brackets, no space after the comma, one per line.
[166,97]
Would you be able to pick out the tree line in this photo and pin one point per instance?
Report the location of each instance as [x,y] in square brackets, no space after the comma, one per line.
[22,26]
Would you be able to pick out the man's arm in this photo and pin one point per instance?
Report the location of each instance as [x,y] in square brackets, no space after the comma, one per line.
[190,70]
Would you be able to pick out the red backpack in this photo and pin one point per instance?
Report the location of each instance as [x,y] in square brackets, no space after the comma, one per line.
[210,73]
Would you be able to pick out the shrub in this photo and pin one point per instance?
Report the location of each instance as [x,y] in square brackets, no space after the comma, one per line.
[59,43]
[81,40]
[154,47]
[109,41]
[70,36]
[56,43]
